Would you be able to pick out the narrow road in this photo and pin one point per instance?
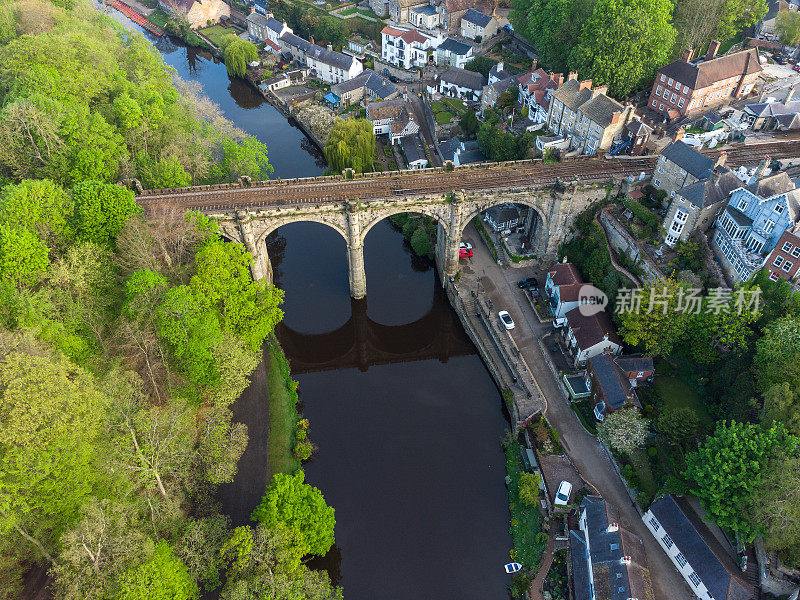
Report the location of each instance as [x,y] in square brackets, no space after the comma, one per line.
[583,448]
[424,130]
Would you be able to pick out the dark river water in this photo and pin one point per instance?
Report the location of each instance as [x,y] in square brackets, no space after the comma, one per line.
[406,417]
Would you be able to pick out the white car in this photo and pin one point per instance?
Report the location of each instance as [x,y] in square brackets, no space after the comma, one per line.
[506,319]
[465,246]
[563,493]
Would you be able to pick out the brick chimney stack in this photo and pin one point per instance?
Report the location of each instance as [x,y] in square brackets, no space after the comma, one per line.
[558,78]
[586,84]
[330,47]
[687,54]
[713,48]
[615,117]
[572,75]
[679,134]
[723,156]
[534,62]
[790,94]
[601,89]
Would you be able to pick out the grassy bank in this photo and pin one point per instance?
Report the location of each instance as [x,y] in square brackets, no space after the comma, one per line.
[282,413]
[526,519]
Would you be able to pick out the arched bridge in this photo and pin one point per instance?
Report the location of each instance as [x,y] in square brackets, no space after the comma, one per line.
[352,205]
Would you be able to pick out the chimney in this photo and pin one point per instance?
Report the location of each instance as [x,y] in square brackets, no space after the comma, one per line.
[534,62]
[626,560]
[679,134]
[252,9]
[586,84]
[713,48]
[723,156]
[312,40]
[615,117]
[612,527]
[330,47]
[687,54]
[558,79]
[789,94]
[572,75]
[600,89]
[500,66]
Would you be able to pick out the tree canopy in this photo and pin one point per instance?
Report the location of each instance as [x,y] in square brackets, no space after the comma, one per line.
[238,54]
[351,145]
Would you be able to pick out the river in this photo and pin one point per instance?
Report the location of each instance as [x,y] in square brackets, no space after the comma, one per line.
[406,417]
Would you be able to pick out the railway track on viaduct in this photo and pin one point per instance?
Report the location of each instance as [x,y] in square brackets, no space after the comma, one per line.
[486,176]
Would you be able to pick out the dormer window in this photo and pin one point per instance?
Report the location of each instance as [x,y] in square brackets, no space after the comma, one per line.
[742,204]
[778,208]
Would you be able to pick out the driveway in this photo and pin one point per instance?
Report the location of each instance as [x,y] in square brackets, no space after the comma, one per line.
[424,130]
[586,453]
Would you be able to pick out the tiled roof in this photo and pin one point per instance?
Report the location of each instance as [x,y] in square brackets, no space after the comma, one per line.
[631,364]
[296,41]
[601,109]
[412,148]
[780,183]
[503,213]
[613,380]
[570,292]
[257,19]
[709,559]
[389,109]
[705,73]
[455,47]
[463,78]
[476,17]
[689,159]
[591,330]
[392,31]
[565,273]
[275,25]
[331,57]
[710,191]
[739,217]
[378,85]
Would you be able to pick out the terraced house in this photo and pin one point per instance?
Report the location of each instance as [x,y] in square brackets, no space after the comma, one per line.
[331,67]
[586,117]
[685,85]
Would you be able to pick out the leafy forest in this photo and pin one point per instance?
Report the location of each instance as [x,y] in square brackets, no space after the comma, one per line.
[124,340]
[622,43]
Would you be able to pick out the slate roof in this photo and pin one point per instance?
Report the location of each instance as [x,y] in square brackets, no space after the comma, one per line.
[601,109]
[455,47]
[378,85]
[612,379]
[688,159]
[709,559]
[741,219]
[569,94]
[257,19]
[499,74]
[708,192]
[565,273]
[412,148]
[476,17]
[592,329]
[579,555]
[275,25]
[448,148]
[330,57]
[705,73]
[424,10]
[789,121]
[471,156]
[295,41]
[503,213]
[637,128]
[635,364]
[766,187]
[388,109]
[773,109]
[462,78]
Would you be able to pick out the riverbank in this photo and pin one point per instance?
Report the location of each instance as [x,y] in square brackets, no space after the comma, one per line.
[283,417]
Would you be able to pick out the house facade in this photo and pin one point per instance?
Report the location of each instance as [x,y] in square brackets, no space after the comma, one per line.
[368,84]
[503,217]
[589,119]
[697,205]
[535,91]
[405,48]
[383,114]
[424,17]
[753,221]
[774,115]
[460,83]
[414,151]
[329,66]
[266,28]
[684,86]
[562,287]
[587,336]
[452,53]
[680,165]
[784,260]
[701,559]
[607,561]
[198,13]
[477,26]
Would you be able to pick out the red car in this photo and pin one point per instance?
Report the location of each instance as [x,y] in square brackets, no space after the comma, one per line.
[465,253]
[796,68]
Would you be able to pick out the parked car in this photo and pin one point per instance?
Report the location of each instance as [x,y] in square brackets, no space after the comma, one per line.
[563,493]
[796,68]
[528,282]
[506,319]
[779,58]
[394,79]
[465,246]
[465,253]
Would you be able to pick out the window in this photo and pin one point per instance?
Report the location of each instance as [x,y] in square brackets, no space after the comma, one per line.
[787,265]
[681,102]
[742,204]
[773,276]
[796,252]
[681,216]
[694,579]
[669,82]
[778,208]
[686,89]
[614,546]
[654,523]
[677,227]
[778,261]
[653,103]
[671,239]
[660,107]
[678,85]
[667,540]
[769,226]
[787,247]
[657,182]
[674,96]
[658,91]
[681,559]
[663,77]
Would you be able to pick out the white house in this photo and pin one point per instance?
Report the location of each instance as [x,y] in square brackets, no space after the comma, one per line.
[535,90]
[405,48]
[392,117]
[460,83]
[562,287]
[329,66]
[475,24]
[588,336]
[453,53]
[424,16]
[414,152]
[701,559]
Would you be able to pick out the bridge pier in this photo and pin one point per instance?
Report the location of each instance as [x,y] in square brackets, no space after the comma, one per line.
[355,254]
[260,267]
[448,239]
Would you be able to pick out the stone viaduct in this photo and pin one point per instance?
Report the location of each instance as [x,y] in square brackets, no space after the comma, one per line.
[352,203]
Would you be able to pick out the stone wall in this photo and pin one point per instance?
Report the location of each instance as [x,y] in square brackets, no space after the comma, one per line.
[622,242]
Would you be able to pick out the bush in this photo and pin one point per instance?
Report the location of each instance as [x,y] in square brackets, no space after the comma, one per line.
[303,450]
[529,488]
[648,218]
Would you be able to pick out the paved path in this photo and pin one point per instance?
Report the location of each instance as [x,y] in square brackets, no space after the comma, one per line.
[535,591]
[585,451]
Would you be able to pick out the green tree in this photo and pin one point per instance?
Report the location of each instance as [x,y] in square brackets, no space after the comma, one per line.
[787,27]
[249,309]
[776,507]
[623,430]
[23,256]
[247,158]
[623,43]
[40,205]
[421,241]
[238,54]
[728,469]
[301,509]
[52,451]
[782,407]
[529,488]
[679,424]
[161,577]
[101,210]
[470,124]
[700,21]
[777,357]
[351,144]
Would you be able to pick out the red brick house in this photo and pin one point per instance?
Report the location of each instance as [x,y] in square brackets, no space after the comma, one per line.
[784,260]
[684,86]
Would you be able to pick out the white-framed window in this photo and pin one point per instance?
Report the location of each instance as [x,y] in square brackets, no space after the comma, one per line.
[663,77]
[653,103]
[769,225]
[778,261]
[667,540]
[686,89]
[787,265]
[681,559]
[796,252]
[778,208]
[694,579]
[742,204]
[660,107]
[774,276]
[671,239]
[672,99]
[677,227]
[672,194]
[656,182]
[681,216]
[669,82]
[681,102]
[787,247]
[660,170]
[658,90]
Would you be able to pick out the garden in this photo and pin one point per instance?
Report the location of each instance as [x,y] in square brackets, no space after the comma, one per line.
[441,113]
[556,582]
[216,33]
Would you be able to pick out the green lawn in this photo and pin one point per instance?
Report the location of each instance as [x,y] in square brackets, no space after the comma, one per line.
[526,520]
[457,105]
[443,118]
[360,11]
[282,413]
[216,32]
[676,393]
[158,18]
[438,107]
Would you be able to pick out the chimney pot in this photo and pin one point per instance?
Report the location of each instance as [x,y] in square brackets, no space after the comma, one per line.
[534,62]
[572,75]
[612,527]
[585,84]
[713,48]
[687,54]
[600,89]
[723,156]
[615,117]
[330,47]
[679,134]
